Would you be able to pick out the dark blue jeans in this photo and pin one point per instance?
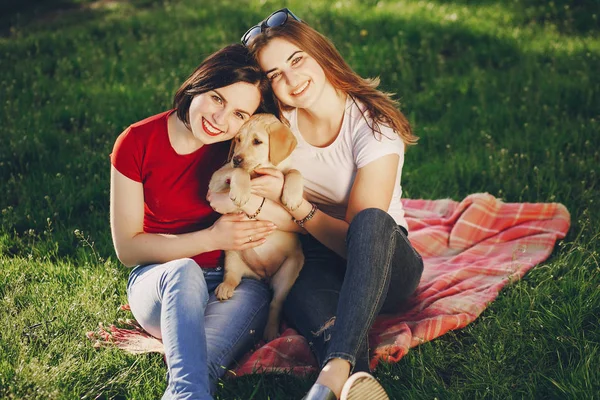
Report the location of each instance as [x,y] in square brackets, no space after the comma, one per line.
[334,302]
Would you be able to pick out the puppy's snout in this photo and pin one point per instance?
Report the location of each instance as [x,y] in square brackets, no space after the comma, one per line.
[237,161]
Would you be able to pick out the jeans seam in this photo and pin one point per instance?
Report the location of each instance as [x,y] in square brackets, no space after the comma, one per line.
[241,333]
[365,329]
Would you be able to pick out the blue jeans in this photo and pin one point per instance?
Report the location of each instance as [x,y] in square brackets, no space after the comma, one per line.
[334,302]
[202,336]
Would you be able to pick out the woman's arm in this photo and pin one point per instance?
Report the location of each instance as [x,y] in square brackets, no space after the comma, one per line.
[373,187]
[134,247]
[269,186]
[270,210]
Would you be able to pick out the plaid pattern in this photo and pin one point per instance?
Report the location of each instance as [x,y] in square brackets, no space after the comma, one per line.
[471,250]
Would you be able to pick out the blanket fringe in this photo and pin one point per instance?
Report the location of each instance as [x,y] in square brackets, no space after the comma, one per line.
[133,340]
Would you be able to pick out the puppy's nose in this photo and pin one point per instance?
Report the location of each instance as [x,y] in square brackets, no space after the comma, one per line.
[237,160]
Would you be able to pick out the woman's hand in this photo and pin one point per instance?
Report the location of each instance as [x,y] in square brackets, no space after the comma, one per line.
[237,232]
[221,203]
[269,184]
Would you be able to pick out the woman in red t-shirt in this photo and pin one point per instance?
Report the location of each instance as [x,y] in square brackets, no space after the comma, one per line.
[163,225]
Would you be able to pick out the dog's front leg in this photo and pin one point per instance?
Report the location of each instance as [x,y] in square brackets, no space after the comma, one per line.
[240,187]
[235,269]
[291,195]
[281,283]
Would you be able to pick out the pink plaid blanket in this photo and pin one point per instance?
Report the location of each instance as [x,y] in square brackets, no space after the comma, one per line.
[470,249]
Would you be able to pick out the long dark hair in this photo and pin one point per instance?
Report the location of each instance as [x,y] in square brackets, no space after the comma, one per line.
[380,106]
[225,67]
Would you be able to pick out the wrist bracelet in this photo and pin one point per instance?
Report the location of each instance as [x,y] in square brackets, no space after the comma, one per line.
[304,220]
[253,216]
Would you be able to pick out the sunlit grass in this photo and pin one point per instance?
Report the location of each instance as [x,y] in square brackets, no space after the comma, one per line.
[504,96]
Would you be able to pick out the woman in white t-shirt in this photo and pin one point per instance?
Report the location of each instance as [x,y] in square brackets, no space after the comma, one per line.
[351,142]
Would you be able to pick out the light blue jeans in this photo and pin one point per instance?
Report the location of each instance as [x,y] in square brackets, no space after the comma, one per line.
[202,336]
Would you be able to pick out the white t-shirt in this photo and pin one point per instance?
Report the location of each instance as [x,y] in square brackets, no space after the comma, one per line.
[329,171]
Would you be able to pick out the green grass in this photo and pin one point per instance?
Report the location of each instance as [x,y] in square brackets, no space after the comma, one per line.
[505,96]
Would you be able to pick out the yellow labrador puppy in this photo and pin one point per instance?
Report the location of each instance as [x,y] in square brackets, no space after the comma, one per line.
[263,141]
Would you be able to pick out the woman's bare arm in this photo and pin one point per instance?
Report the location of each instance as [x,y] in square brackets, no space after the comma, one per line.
[134,247]
[373,188]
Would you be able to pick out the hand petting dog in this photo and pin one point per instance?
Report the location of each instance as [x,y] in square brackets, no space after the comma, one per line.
[268,184]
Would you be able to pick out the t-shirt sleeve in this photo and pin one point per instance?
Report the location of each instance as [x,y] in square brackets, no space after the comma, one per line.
[369,146]
[126,156]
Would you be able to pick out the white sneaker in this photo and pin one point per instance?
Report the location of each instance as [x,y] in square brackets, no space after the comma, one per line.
[363,386]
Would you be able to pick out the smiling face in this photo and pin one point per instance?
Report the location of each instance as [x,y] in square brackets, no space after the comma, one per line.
[217,115]
[296,77]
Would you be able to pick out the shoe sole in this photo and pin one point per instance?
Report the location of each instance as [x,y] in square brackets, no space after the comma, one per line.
[362,386]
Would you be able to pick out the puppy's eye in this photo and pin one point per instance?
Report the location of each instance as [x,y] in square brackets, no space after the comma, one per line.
[238,139]
[256,142]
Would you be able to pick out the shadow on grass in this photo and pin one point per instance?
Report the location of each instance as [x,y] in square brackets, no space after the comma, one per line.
[451,79]
[455,84]
[36,15]
[569,16]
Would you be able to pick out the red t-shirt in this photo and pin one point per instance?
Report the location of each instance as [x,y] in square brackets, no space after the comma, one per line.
[175,185]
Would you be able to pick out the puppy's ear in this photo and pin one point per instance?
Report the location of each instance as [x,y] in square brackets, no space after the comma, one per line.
[281,142]
[231,150]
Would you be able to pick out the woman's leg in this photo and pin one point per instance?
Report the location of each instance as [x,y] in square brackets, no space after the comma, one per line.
[341,305]
[382,271]
[235,325]
[311,305]
[168,300]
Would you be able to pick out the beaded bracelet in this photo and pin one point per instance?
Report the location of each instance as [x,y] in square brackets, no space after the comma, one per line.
[304,220]
[253,216]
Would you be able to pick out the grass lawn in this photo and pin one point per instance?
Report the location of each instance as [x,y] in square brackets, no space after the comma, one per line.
[505,96]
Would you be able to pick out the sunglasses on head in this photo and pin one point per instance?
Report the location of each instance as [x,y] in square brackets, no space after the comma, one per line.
[278,18]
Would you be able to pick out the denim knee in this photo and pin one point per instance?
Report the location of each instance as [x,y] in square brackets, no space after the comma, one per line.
[372,222]
[185,276]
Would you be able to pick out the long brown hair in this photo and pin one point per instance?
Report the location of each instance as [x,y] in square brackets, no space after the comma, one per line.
[380,106]
[227,66]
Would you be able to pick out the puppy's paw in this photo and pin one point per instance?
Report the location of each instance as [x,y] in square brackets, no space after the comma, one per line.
[239,197]
[291,198]
[224,291]
[271,331]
